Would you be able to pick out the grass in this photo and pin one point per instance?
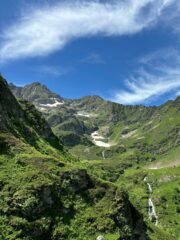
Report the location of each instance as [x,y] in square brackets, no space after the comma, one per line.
[46,193]
[166,196]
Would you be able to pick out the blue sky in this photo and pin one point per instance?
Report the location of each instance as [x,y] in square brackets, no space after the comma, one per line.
[126,51]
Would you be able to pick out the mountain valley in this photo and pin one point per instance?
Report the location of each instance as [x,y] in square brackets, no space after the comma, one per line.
[93,128]
[104,171]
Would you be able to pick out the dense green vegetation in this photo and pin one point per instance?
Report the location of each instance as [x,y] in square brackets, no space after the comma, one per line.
[136,132]
[47,193]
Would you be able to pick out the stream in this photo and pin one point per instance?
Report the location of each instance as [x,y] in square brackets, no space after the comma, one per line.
[151,207]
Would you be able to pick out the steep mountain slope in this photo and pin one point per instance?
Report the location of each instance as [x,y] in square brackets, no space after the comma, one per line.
[35,92]
[47,194]
[136,148]
[22,121]
[98,129]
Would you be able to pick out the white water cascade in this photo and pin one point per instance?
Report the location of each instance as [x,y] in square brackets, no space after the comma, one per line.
[100,238]
[151,208]
[103,155]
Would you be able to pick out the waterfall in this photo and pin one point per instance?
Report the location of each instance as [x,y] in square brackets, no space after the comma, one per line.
[151,207]
[103,155]
[149,188]
[152,212]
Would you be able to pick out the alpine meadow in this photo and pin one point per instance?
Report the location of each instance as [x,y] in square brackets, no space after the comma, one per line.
[90,120]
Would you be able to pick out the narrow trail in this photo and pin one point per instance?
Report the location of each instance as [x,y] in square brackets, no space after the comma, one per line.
[151,207]
[159,165]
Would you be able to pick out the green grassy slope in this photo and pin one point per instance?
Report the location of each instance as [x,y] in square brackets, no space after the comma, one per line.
[45,193]
[131,130]
[166,196]
[146,143]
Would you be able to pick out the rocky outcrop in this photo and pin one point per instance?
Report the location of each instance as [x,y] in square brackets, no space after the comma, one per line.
[21,119]
[128,219]
[76,181]
[35,92]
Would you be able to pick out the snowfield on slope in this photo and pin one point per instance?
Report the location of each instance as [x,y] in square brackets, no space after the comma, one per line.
[51,105]
[98,140]
[86,114]
[130,134]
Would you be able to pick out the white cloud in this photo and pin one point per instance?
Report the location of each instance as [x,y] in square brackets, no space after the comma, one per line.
[151,80]
[170,55]
[177,93]
[52,70]
[47,29]
[93,58]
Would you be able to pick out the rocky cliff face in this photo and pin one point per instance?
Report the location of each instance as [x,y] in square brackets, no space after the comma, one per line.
[22,120]
[34,92]
[8,106]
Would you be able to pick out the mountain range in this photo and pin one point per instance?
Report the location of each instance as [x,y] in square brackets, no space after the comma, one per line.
[87,168]
[94,128]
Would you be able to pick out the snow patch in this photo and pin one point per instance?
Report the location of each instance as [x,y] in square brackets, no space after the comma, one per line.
[102,144]
[95,135]
[42,109]
[85,114]
[97,140]
[130,134]
[51,105]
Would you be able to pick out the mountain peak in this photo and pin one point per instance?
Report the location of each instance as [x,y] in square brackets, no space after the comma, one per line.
[20,118]
[92,97]
[35,92]
[37,84]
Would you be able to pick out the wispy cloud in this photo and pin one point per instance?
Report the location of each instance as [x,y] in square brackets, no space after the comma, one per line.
[43,30]
[158,74]
[54,71]
[93,58]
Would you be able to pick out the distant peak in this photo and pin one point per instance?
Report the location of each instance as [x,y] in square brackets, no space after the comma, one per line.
[92,97]
[12,84]
[33,92]
[36,84]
